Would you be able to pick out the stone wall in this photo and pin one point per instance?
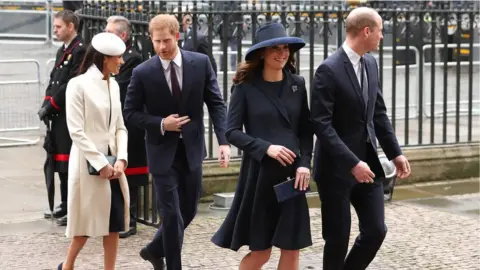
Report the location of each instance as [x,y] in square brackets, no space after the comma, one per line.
[428,163]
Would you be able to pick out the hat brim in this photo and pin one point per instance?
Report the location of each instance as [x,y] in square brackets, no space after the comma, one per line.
[294,43]
[108,44]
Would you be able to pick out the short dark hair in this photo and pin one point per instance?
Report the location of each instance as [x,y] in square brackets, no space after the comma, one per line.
[68,16]
[91,57]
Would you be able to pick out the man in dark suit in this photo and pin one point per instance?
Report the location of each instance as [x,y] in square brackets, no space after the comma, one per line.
[349,114]
[165,97]
[201,46]
[137,171]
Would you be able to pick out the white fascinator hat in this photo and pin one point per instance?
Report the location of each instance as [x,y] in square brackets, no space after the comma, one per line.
[108,44]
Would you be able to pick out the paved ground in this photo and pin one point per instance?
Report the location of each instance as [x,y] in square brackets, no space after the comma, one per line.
[418,238]
[433,231]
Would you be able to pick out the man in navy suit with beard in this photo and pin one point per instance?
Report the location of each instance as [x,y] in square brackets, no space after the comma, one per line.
[166,97]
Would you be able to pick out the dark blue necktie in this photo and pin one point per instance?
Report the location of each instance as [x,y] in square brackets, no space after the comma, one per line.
[177,94]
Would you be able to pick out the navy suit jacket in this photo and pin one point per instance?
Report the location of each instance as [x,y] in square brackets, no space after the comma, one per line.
[341,121]
[149,100]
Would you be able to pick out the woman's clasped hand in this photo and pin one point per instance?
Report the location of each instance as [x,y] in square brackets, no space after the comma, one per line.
[113,172]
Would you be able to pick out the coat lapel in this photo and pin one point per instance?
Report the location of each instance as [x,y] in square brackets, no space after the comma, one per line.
[353,77]
[274,99]
[188,67]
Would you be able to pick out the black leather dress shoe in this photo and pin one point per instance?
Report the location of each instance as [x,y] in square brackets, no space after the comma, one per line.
[126,234]
[62,221]
[157,263]
[58,212]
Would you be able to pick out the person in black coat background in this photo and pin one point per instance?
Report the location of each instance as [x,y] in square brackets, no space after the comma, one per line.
[201,46]
[137,171]
[67,61]
[271,102]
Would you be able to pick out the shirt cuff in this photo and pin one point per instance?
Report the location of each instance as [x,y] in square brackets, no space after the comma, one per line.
[162,130]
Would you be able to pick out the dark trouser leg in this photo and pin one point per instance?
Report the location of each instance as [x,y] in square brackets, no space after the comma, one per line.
[336,223]
[177,199]
[190,192]
[167,240]
[63,189]
[61,215]
[368,202]
[133,205]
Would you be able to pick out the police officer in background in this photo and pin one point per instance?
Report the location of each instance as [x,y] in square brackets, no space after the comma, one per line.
[201,46]
[68,60]
[137,171]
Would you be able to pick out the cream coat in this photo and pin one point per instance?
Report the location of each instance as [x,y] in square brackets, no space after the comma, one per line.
[89,196]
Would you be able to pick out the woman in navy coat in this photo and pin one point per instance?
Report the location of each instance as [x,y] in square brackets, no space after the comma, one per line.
[271,102]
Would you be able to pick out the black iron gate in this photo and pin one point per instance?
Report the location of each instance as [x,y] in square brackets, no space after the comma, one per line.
[425,42]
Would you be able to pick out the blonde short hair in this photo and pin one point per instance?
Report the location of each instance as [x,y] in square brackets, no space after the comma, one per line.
[164,21]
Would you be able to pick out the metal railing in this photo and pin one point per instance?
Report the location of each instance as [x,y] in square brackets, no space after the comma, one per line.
[405,65]
[20,99]
[457,65]
[27,26]
[403,57]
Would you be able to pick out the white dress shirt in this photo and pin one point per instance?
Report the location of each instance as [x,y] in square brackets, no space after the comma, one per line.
[354,59]
[177,60]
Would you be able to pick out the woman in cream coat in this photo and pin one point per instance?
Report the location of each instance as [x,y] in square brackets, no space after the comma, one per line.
[98,205]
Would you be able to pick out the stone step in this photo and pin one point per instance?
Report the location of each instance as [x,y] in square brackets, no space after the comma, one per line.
[222,201]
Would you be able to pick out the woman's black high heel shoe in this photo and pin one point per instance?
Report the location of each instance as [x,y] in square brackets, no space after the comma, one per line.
[60,266]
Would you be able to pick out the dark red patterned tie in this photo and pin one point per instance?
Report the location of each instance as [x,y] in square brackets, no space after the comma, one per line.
[177,94]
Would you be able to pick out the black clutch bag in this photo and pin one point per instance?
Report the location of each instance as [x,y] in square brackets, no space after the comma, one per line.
[91,169]
[287,190]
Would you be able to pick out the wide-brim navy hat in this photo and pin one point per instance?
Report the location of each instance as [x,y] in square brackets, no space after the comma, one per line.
[273,34]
